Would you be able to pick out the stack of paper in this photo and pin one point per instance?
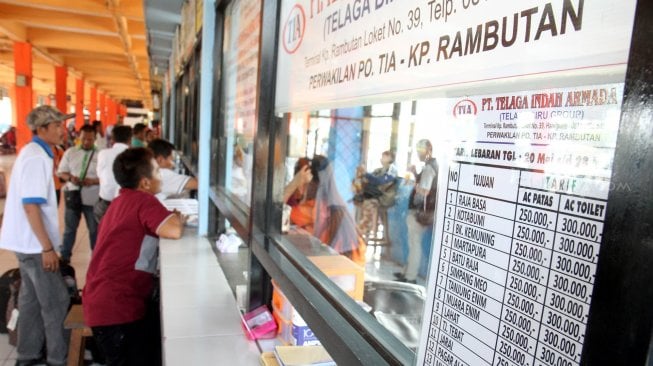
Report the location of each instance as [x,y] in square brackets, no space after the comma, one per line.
[187,206]
[303,356]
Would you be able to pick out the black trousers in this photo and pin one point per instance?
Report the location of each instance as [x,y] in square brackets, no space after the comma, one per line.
[131,344]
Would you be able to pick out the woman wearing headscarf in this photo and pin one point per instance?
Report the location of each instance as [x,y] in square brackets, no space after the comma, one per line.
[318,208]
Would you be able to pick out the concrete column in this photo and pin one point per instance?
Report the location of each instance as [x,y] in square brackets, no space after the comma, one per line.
[22,91]
[79,103]
[103,109]
[92,107]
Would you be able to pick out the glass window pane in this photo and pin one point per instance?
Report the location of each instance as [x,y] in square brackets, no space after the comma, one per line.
[363,187]
[239,97]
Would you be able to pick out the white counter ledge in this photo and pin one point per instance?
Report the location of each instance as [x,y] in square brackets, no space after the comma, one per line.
[199,318]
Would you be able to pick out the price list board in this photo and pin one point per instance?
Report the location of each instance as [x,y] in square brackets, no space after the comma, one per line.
[516,245]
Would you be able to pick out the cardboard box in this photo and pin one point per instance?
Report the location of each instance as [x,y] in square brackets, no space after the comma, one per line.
[280,303]
[349,276]
[268,359]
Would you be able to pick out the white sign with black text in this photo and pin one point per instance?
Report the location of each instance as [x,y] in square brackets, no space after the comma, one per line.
[353,51]
[521,207]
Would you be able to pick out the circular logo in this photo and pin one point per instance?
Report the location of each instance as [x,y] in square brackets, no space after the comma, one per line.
[465,107]
[293,29]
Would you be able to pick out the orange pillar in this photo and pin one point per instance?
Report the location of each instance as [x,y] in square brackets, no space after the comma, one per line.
[60,75]
[103,109]
[23,91]
[114,112]
[79,103]
[92,107]
[12,97]
[111,112]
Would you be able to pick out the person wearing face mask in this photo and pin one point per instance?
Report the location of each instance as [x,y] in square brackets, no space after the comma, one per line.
[78,168]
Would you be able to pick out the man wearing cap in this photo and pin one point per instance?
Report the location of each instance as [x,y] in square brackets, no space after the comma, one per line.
[31,230]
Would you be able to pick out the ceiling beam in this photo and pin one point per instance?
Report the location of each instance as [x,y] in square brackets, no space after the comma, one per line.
[121,25]
[79,42]
[84,7]
[14,30]
[59,20]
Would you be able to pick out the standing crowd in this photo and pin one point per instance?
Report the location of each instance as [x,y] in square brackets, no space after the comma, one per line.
[117,182]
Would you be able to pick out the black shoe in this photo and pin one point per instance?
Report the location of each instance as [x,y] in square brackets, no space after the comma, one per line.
[400,277]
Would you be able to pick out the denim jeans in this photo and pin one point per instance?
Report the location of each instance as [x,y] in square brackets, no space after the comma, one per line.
[43,305]
[100,209]
[71,221]
[415,236]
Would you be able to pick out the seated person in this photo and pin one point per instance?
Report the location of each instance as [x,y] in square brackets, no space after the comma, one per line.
[375,189]
[318,208]
[239,186]
[121,275]
[172,184]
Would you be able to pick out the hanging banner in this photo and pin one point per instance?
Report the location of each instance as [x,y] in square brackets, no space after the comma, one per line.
[521,207]
[356,50]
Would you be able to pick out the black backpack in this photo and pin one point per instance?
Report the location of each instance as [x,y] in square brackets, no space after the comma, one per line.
[9,279]
[68,274]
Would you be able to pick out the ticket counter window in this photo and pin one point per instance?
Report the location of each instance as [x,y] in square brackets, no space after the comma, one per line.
[350,177]
[495,202]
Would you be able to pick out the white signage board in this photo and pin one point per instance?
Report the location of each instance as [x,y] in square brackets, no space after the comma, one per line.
[334,52]
[521,206]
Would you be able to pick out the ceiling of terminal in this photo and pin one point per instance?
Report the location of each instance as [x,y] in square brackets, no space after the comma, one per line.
[103,41]
[161,18]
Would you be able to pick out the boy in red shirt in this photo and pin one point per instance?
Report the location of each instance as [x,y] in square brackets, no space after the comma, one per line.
[120,277]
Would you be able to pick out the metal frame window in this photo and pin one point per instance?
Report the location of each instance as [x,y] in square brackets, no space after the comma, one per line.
[350,334]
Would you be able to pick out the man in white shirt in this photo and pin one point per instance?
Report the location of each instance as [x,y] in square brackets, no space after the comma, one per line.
[78,168]
[422,202]
[100,140]
[31,230]
[172,184]
[121,136]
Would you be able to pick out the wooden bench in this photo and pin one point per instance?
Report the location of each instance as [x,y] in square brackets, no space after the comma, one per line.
[78,331]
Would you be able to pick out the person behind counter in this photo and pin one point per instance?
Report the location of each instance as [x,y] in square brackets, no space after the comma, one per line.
[374,190]
[421,211]
[121,275]
[171,183]
[318,208]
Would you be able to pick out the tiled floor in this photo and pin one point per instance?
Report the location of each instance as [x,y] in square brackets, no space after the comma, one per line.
[81,257]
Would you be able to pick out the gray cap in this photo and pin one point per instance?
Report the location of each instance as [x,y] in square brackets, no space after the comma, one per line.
[44,115]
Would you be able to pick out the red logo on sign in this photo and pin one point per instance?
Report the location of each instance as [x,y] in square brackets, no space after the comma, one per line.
[293,29]
[465,107]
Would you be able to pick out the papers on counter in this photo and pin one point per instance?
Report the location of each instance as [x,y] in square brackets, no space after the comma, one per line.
[187,207]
